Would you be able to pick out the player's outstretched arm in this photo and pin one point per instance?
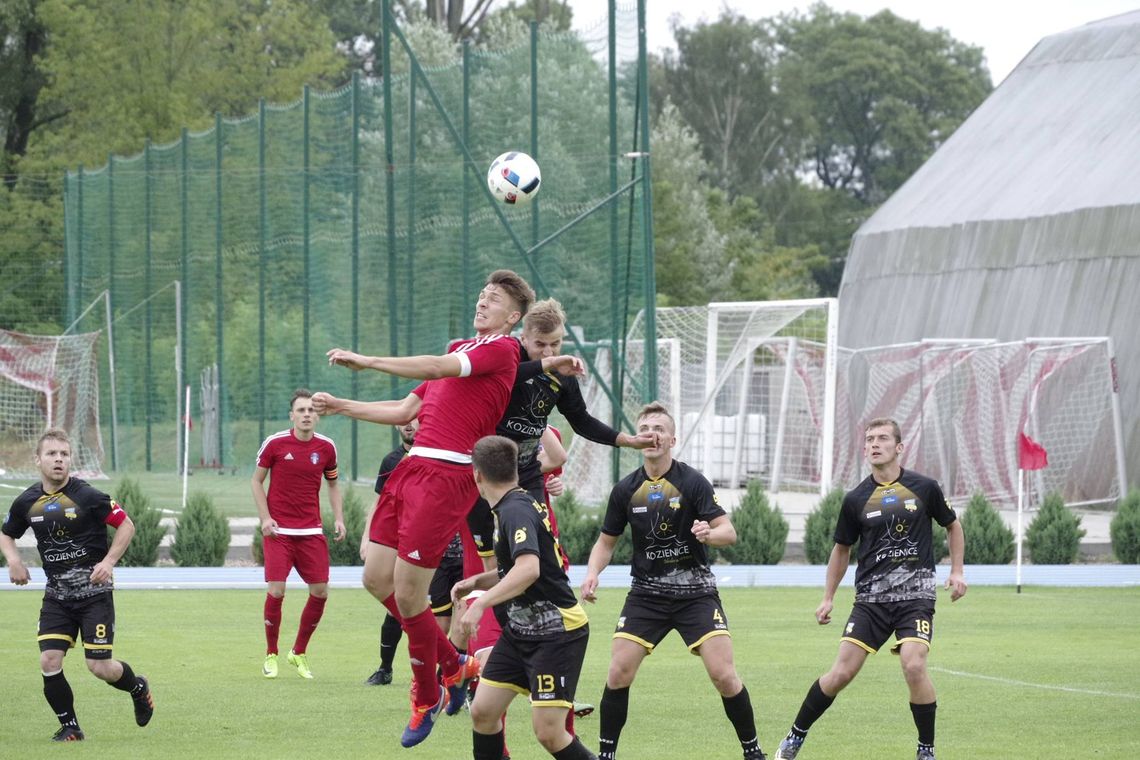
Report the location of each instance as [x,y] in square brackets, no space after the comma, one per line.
[600,557]
[382,412]
[17,572]
[414,367]
[956,542]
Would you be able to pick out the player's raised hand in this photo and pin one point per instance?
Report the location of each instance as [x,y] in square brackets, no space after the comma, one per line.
[325,404]
[564,365]
[823,612]
[957,585]
[346,358]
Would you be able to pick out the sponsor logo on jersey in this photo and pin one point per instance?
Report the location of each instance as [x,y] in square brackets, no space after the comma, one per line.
[414,554]
[876,513]
[675,502]
[520,535]
[621,622]
[36,519]
[288,457]
[909,505]
[69,512]
[640,510]
[850,627]
[890,500]
[51,506]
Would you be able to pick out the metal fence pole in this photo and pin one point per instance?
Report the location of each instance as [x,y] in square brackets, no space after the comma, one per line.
[353,380]
[185,283]
[647,212]
[147,285]
[218,302]
[306,233]
[465,245]
[617,338]
[534,221]
[111,300]
[262,266]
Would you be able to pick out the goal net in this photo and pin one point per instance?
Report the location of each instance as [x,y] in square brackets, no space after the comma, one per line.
[961,405]
[750,388]
[45,382]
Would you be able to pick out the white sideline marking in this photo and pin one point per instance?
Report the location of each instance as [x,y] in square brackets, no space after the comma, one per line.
[1012,682]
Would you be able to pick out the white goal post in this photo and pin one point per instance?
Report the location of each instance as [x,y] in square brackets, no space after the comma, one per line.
[46,382]
[751,386]
[962,403]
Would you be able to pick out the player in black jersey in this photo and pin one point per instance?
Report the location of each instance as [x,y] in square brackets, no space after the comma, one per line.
[70,519]
[890,514]
[538,392]
[673,514]
[544,629]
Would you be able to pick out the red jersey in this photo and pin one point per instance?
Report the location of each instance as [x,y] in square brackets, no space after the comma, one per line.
[458,411]
[296,468]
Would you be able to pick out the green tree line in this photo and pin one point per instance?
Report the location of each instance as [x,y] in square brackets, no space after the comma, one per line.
[772,139]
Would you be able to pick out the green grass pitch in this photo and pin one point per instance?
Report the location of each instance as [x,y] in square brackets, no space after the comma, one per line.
[1045,674]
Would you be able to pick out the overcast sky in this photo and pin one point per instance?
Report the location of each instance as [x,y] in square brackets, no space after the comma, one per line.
[1005,29]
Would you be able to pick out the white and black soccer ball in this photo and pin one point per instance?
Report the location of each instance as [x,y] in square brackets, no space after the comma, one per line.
[514,178]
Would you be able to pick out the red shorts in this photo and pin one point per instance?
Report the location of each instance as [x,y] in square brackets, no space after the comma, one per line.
[309,554]
[423,504]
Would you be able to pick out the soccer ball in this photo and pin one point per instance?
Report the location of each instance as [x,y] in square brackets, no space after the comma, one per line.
[514,178]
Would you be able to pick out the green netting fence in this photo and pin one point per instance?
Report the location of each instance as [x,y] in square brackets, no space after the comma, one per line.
[358,218]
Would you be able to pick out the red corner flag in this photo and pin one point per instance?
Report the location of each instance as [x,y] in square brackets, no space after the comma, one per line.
[1030,454]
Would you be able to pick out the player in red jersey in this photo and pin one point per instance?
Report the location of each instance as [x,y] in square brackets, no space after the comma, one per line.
[291,524]
[426,499]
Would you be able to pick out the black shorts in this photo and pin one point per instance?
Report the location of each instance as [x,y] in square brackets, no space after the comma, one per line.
[63,620]
[872,623]
[648,619]
[449,572]
[547,669]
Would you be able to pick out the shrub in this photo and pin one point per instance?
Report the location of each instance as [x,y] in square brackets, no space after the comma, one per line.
[939,543]
[257,547]
[761,531]
[202,536]
[579,531]
[1054,536]
[819,529]
[1125,529]
[143,549]
[346,552]
[988,540]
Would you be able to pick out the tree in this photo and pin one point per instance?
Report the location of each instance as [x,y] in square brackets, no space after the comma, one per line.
[688,247]
[22,40]
[128,71]
[722,80]
[882,93]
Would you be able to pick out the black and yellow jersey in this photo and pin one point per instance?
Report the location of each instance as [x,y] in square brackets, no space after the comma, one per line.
[667,559]
[892,522]
[548,606]
[71,533]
